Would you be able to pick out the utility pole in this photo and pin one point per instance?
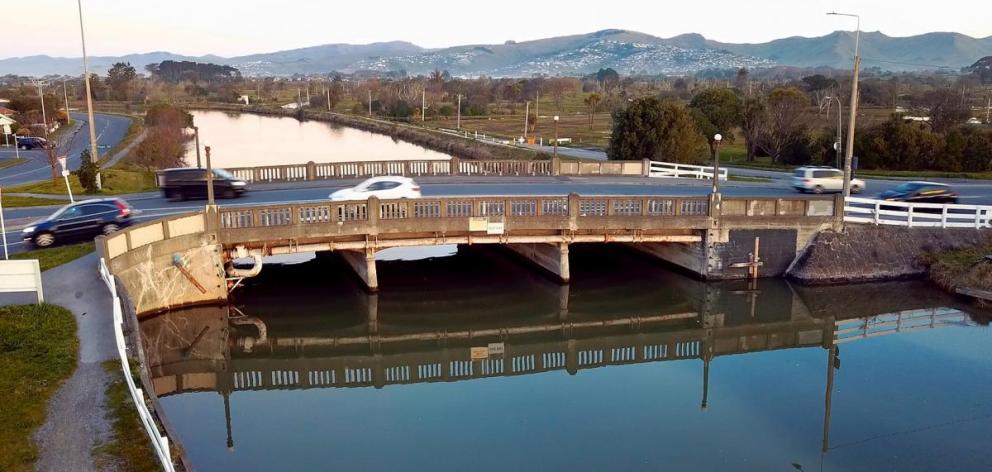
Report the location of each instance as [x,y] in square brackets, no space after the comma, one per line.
[459,111]
[988,111]
[370,102]
[556,137]
[526,118]
[299,98]
[308,92]
[849,154]
[41,95]
[94,156]
[210,178]
[423,106]
[840,126]
[537,109]
[328,99]
[65,95]
[196,134]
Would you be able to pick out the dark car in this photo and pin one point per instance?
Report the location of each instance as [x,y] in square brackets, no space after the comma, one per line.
[191,182]
[80,220]
[32,142]
[920,192]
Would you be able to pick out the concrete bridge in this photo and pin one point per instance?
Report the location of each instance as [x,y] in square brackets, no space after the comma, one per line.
[187,259]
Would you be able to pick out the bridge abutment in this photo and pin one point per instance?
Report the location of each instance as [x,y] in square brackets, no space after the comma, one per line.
[552,258]
[363,263]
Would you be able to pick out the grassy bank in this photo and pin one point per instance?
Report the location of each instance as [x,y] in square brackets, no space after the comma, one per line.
[962,268]
[38,349]
[128,449]
[10,201]
[56,256]
[115,181]
[12,162]
[133,130]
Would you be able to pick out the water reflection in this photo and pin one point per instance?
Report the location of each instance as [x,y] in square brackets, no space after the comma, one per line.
[242,140]
[626,363]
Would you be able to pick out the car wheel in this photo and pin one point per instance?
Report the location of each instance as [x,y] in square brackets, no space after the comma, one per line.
[176,195]
[44,240]
[230,193]
[856,189]
[818,189]
[110,228]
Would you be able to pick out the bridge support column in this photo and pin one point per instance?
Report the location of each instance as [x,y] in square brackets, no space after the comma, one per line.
[691,257]
[553,258]
[363,263]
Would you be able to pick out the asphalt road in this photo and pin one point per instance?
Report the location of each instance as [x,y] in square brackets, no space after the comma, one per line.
[152,205]
[110,129]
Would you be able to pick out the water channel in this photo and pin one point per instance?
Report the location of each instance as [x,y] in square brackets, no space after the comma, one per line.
[475,361]
[243,140]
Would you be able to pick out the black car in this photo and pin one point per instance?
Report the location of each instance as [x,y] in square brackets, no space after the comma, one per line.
[191,182]
[32,142]
[80,220]
[920,192]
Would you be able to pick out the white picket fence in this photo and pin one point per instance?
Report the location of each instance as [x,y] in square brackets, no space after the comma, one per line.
[669,170]
[160,442]
[916,215]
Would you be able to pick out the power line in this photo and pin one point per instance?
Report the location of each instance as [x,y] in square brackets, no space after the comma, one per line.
[871,59]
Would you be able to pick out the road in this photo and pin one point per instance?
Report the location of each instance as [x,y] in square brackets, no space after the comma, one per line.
[152,205]
[110,129]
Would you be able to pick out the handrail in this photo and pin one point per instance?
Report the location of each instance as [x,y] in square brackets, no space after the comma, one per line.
[913,215]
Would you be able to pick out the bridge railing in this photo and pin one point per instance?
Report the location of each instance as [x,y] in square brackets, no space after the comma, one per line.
[674,171]
[916,215]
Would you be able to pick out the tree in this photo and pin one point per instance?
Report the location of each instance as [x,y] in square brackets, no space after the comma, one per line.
[741,80]
[592,101]
[119,79]
[163,147]
[898,144]
[945,107]
[753,118]
[87,172]
[653,129]
[786,121]
[166,115]
[716,110]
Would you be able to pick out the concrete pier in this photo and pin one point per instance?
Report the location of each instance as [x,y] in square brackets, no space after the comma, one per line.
[363,263]
[553,258]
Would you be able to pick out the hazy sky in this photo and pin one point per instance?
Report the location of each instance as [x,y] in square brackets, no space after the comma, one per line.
[229,28]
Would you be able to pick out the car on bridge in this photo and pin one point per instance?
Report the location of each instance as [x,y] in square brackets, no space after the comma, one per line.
[181,183]
[921,192]
[385,187]
[818,179]
[80,221]
[32,142]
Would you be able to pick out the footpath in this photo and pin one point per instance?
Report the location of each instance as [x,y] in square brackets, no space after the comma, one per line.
[76,420]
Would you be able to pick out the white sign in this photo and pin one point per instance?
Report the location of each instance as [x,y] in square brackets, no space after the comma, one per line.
[6,129]
[21,276]
[495,227]
[62,162]
[496,349]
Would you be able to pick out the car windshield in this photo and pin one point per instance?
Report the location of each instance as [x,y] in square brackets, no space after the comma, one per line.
[800,173]
[224,174]
[909,187]
[60,212]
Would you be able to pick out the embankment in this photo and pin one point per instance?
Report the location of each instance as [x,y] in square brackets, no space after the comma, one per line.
[462,148]
[866,253]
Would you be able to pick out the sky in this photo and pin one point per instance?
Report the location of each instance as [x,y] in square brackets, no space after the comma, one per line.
[226,28]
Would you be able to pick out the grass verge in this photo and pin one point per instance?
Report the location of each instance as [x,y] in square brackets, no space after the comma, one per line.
[10,201]
[128,449]
[38,349]
[965,267]
[133,130]
[12,162]
[748,178]
[115,181]
[55,256]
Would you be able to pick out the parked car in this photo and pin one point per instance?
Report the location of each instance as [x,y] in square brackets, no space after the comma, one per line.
[920,192]
[191,182]
[32,142]
[80,220]
[382,187]
[823,179]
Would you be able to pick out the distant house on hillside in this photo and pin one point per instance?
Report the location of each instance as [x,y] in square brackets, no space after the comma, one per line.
[4,111]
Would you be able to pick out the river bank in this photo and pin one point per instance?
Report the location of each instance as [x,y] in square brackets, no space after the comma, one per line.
[453,145]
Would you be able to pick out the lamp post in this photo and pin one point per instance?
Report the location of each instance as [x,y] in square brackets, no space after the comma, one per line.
[849,153]
[556,137]
[840,126]
[94,157]
[716,163]
[210,177]
[196,137]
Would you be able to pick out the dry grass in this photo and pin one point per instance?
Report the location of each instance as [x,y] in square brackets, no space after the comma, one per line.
[964,267]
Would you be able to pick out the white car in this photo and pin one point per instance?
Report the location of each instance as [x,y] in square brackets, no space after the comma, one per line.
[823,179]
[386,187]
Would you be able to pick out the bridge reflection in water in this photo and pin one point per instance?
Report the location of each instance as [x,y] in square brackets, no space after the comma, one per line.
[435,324]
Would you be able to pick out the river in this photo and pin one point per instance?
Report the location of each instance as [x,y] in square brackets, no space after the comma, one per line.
[244,140]
[474,361]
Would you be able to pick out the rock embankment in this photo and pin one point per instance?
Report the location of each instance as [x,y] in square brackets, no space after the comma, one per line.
[866,253]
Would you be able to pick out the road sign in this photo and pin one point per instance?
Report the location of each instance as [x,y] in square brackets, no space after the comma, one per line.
[62,162]
[6,129]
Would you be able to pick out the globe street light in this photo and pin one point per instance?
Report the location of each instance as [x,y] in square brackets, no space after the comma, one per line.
[849,154]
[556,136]
[716,163]
[210,176]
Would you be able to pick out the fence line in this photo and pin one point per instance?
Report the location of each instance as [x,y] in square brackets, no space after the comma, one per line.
[916,215]
[671,170]
[160,442]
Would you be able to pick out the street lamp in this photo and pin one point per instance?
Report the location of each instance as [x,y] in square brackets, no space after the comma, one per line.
[210,177]
[196,137]
[840,134]
[716,163]
[849,154]
[556,137]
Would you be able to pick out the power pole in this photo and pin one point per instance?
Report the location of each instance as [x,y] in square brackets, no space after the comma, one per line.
[328,99]
[41,95]
[65,95]
[94,156]
[849,154]
[988,111]
[537,109]
[423,105]
[459,111]
[370,102]
[526,118]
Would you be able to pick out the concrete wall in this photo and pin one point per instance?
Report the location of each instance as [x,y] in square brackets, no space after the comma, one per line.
[552,258]
[863,253]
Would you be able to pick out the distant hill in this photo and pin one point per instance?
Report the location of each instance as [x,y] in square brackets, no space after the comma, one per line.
[625,51]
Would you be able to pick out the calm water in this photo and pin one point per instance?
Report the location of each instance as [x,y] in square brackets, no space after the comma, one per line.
[242,140]
[631,367]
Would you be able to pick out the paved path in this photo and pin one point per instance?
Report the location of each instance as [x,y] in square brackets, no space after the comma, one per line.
[110,130]
[76,420]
